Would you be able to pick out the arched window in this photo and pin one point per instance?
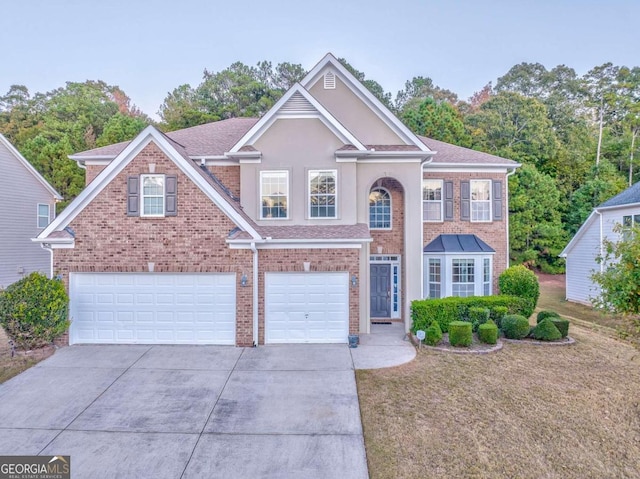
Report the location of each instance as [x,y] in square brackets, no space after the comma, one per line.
[379,209]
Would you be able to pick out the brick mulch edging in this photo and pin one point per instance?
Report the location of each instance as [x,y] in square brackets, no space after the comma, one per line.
[475,348]
[568,341]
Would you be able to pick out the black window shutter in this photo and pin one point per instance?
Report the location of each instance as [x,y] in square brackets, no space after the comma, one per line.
[448,200]
[497,201]
[170,197]
[133,195]
[465,200]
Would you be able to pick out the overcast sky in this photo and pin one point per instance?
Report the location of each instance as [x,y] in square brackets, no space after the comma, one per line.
[150,47]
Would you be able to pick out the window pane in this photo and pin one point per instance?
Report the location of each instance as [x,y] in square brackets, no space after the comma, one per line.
[379,209]
[636,220]
[153,185]
[431,211]
[322,194]
[432,189]
[626,221]
[275,193]
[153,206]
[43,210]
[480,190]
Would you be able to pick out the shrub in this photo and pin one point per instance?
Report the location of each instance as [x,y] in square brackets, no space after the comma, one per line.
[542,315]
[497,313]
[488,332]
[433,334]
[33,310]
[478,316]
[460,333]
[521,282]
[562,325]
[546,331]
[515,326]
[445,310]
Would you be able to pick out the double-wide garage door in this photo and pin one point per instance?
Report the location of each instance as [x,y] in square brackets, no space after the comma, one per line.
[153,308]
[307,307]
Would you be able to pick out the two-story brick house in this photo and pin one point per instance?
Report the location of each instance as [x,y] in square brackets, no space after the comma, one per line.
[301,226]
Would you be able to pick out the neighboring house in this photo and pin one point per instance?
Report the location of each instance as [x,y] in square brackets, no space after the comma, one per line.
[302,226]
[587,244]
[28,205]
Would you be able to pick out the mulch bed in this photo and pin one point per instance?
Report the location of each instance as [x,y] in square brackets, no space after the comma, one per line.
[476,347]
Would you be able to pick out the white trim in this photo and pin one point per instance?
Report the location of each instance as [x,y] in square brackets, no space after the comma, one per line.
[395,161]
[85,158]
[148,135]
[13,150]
[365,95]
[471,200]
[273,114]
[260,194]
[335,175]
[142,195]
[479,169]
[441,220]
[381,188]
[301,244]
[607,208]
[38,215]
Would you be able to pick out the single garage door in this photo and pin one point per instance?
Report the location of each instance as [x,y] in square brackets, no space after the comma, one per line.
[306,307]
[153,308]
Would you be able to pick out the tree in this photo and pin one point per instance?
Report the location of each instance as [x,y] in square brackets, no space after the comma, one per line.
[601,87]
[602,183]
[419,89]
[619,279]
[438,120]
[120,128]
[373,86]
[535,228]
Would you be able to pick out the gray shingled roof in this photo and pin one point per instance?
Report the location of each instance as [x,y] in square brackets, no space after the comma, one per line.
[210,139]
[448,153]
[628,197]
[458,244]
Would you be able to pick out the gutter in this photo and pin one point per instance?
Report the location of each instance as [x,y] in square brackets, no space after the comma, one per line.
[507,214]
[255,293]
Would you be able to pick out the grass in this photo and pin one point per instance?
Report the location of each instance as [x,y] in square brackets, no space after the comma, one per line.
[526,412]
[12,366]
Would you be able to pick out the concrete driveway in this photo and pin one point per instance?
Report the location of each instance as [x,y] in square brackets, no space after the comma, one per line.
[190,412]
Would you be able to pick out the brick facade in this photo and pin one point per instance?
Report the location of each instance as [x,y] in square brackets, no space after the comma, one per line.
[392,241]
[107,240]
[91,171]
[493,233]
[229,176]
[283,260]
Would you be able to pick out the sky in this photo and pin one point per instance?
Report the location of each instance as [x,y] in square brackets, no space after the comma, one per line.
[148,48]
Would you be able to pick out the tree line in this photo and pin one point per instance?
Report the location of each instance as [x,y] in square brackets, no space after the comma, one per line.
[576,136]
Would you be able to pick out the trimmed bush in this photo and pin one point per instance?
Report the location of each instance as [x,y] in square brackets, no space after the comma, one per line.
[460,333]
[445,310]
[433,334]
[497,313]
[478,316]
[562,325]
[546,331]
[488,332]
[515,326]
[522,282]
[33,310]
[542,315]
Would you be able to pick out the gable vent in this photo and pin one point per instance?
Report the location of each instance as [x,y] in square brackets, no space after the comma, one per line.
[297,103]
[329,81]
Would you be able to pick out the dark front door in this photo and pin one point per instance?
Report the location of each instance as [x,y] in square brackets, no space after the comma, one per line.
[380,291]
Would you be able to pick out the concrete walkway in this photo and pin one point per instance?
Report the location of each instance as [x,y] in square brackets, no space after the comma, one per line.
[385,347]
[174,412]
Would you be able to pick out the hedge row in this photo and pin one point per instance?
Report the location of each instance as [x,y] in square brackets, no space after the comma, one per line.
[446,310]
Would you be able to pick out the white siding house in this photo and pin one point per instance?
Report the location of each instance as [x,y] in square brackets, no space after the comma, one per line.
[27,205]
[586,245]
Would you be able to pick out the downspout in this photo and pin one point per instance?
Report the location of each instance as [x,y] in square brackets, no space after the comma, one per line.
[44,246]
[255,293]
[507,216]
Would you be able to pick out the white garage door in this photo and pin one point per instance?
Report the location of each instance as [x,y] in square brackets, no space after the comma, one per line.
[153,308]
[306,307]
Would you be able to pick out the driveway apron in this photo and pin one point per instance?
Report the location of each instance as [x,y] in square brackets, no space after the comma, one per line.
[190,412]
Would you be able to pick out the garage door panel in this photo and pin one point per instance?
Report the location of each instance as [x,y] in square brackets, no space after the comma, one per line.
[153,308]
[306,307]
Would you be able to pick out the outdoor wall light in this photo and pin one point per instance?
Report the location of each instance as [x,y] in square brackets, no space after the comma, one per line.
[354,281]
[243,280]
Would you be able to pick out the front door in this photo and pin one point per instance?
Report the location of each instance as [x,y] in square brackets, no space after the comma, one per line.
[380,291]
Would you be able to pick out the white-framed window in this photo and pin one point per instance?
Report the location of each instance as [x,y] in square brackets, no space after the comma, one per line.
[323,194]
[274,194]
[628,223]
[432,200]
[152,195]
[43,214]
[463,277]
[379,209]
[486,277]
[435,278]
[480,200]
